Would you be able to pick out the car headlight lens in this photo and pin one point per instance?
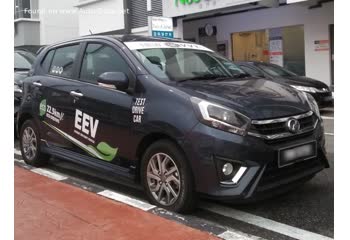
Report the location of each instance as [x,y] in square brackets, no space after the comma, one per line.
[221,117]
[313,104]
[311,89]
[305,89]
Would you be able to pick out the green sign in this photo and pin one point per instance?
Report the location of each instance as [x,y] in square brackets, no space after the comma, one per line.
[186,2]
[42,107]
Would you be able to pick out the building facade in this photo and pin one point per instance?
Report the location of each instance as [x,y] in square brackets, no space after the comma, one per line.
[299,36]
[296,34]
[43,22]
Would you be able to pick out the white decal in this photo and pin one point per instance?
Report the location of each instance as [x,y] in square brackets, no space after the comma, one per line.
[86,124]
[53,114]
[57,70]
[147,45]
[138,109]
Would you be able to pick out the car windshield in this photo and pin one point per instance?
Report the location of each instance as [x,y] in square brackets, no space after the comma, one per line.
[276,70]
[23,60]
[182,64]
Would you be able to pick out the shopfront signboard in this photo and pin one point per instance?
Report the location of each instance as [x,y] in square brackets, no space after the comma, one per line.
[161,27]
[175,8]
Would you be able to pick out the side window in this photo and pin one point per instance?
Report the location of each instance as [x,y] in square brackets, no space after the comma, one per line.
[45,64]
[251,71]
[98,59]
[63,60]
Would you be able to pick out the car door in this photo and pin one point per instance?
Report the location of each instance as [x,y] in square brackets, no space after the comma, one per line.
[103,118]
[55,103]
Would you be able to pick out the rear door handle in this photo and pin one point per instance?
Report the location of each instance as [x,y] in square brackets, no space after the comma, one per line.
[38,84]
[76,94]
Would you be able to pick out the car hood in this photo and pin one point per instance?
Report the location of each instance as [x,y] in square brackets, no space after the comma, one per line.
[255,98]
[302,81]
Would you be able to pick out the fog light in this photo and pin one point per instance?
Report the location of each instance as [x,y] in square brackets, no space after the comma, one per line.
[227,169]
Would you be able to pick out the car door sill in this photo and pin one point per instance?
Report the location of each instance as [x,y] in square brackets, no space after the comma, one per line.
[123,174]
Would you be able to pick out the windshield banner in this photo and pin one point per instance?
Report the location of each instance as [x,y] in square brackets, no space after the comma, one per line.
[149,45]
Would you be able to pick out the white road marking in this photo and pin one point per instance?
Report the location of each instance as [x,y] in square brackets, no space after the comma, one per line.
[127,200]
[48,173]
[327,118]
[268,224]
[235,235]
[330,134]
[19,160]
[16,151]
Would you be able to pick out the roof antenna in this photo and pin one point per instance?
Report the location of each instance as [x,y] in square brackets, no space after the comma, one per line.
[90,32]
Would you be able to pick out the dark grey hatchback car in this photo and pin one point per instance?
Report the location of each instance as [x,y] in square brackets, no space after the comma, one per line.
[170,116]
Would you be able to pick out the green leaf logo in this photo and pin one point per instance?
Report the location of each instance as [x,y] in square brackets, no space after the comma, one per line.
[42,108]
[105,151]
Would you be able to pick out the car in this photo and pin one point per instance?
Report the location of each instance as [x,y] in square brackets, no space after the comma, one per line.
[170,116]
[23,61]
[319,90]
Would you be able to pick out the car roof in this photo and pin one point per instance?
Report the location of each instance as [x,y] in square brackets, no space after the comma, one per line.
[140,38]
[123,38]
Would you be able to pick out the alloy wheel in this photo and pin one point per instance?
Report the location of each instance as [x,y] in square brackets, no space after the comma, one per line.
[29,143]
[163,179]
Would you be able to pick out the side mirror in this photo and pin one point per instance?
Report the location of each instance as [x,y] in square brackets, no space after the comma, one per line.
[116,79]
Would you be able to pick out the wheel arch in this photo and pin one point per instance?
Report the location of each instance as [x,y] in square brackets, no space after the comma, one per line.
[22,118]
[148,140]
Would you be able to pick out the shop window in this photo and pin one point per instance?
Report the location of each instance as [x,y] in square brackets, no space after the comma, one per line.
[282,46]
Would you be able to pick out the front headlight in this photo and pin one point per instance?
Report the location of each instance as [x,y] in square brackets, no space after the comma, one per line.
[313,104]
[311,89]
[221,117]
[305,89]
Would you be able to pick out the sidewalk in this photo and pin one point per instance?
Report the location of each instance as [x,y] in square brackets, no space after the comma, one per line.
[50,210]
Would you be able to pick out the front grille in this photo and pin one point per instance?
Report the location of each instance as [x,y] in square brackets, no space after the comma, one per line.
[276,128]
[274,177]
[307,122]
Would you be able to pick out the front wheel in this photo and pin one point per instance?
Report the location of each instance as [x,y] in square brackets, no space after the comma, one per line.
[167,177]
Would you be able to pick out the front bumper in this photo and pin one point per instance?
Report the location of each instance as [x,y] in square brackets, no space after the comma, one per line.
[205,146]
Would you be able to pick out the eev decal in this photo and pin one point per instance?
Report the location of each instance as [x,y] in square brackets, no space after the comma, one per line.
[85,125]
[102,151]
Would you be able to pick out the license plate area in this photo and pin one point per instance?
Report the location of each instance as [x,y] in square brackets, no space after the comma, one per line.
[296,153]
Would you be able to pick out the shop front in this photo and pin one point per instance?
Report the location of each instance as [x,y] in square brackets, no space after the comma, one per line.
[297,36]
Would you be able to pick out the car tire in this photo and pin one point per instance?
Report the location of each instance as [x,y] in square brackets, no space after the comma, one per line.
[29,139]
[173,178]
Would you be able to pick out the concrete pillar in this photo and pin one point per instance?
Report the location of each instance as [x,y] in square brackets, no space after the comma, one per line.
[178,30]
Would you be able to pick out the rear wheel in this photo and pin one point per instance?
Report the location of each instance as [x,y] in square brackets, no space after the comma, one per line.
[167,177]
[30,145]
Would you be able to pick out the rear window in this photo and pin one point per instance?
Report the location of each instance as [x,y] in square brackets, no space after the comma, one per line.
[63,61]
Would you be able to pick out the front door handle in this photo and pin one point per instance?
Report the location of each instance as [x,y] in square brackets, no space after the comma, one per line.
[76,94]
[38,84]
